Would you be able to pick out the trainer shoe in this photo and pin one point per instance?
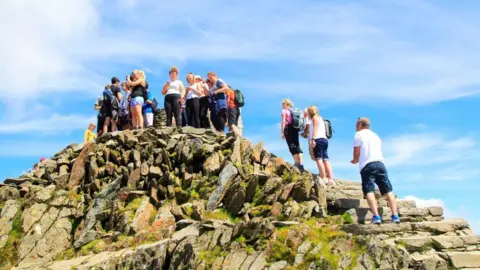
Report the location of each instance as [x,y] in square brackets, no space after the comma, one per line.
[376,220]
[395,219]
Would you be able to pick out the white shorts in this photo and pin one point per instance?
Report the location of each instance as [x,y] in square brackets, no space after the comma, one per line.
[148,120]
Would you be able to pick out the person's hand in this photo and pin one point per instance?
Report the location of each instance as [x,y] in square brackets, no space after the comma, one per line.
[148,102]
[283,136]
[353,161]
[312,143]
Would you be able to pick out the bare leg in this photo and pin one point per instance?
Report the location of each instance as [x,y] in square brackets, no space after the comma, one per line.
[372,202]
[138,108]
[328,169]
[392,202]
[106,124]
[300,159]
[321,168]
[114,126]
[134,118]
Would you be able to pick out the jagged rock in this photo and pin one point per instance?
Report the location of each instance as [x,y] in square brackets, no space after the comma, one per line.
[212,164]
[8,213]
[428,261]
[102,202]
[301,190]
[235,198]
[278,265]
[234,260]
[198,210]
[134,177]
[228,173]
[302,250]
[8,193]
[78,169]
[164,222]
[184,256]
[130,139]
[465,259]
[32,215]
[143,216]
[44,194]
[416,243]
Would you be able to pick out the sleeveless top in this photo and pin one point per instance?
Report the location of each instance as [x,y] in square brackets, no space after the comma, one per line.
[174,87]
[320,129]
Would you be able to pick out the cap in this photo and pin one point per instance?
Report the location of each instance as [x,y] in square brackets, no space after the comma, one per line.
[198,77]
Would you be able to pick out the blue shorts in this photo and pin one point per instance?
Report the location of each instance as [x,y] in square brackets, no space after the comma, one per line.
[320,151]
[137,101]
[375,173]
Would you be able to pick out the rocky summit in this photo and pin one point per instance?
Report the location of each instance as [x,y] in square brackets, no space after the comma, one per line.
[192,199]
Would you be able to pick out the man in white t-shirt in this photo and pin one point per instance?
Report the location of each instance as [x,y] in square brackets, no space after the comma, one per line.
[367,152]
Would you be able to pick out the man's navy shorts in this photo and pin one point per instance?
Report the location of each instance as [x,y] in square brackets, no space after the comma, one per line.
[375,173]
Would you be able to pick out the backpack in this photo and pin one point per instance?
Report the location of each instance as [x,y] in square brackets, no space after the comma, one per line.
[239,100]
[328,128]
[298,119]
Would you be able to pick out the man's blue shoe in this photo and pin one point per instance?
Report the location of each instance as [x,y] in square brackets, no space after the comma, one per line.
[376,220]
[395,219]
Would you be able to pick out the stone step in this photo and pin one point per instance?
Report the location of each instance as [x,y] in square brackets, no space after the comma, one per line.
[464,259]
[344,203]
[439,243]
[432,227]
[364,215]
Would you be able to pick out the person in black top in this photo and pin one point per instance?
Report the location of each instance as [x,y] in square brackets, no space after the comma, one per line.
[138,97]
[112,96]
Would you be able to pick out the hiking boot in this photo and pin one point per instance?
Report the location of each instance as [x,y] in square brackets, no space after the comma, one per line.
[376,220]
[395,219]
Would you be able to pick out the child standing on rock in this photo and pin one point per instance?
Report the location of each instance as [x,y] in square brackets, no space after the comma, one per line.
[89,135]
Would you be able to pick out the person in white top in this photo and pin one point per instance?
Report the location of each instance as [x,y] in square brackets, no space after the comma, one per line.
[367,152]
[174,92]
[193,102]
[319,142]
[306,133]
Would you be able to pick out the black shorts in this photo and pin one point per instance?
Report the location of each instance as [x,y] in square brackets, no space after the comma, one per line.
[100,122]
[291,136]
[233,115]
[375,173]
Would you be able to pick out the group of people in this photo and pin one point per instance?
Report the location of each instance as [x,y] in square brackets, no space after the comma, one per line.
[367,152]
[200,104]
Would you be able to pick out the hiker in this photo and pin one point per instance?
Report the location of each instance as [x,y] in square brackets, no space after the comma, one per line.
[367,152]
[110,105]
[218,101]
[306,133]
[89,135]
[100,116]
[233,112]
[147,110]
[124,116]
[139,94]
[290,133]
[174,93]
[319,143]
[203,88]
[193,102]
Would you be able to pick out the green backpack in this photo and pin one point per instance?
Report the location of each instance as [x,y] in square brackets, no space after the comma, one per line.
[239,100]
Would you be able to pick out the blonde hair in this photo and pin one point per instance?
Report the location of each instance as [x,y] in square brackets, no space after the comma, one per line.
[312,111]
[211,73]
[141,73]
[364,122]
[91,125]
[287,102]
[173,69]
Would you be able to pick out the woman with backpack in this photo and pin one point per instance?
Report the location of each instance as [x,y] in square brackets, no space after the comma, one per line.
[290,133]
[319,143]
[137,97]
[174,93]
[193,102]
[218,103]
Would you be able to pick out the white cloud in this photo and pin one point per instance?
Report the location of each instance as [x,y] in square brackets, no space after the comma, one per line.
[55,123]
[54,45]
[447,212]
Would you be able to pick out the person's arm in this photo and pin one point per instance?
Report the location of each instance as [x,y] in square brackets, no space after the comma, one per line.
[135,83]
[182,90]
[165,88]
[284,118]
[223,89]
[357,143]
[305,132]
[119,95]
[195,89]
[150,98]
[85,136]
[314,123]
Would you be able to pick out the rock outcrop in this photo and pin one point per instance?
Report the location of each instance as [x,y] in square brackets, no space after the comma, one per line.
[192,199]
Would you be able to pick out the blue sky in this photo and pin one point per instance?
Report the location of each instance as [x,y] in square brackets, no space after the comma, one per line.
[411,66]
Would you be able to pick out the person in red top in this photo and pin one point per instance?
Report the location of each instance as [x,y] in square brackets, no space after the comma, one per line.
[233,112]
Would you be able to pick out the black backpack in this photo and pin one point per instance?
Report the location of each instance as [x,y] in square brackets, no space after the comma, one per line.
[155,105]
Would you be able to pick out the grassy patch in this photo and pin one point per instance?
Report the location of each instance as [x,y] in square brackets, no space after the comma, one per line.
[96,246]
[133,205]
[280,251]
[65,255]
[347,219]
[9,253]
[209,256]
[221,214]
[241,240]
[194,195]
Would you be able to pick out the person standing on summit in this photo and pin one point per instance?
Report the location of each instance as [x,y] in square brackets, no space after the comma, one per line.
[290,133]
[367,152]
[174,92]
[219,98]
